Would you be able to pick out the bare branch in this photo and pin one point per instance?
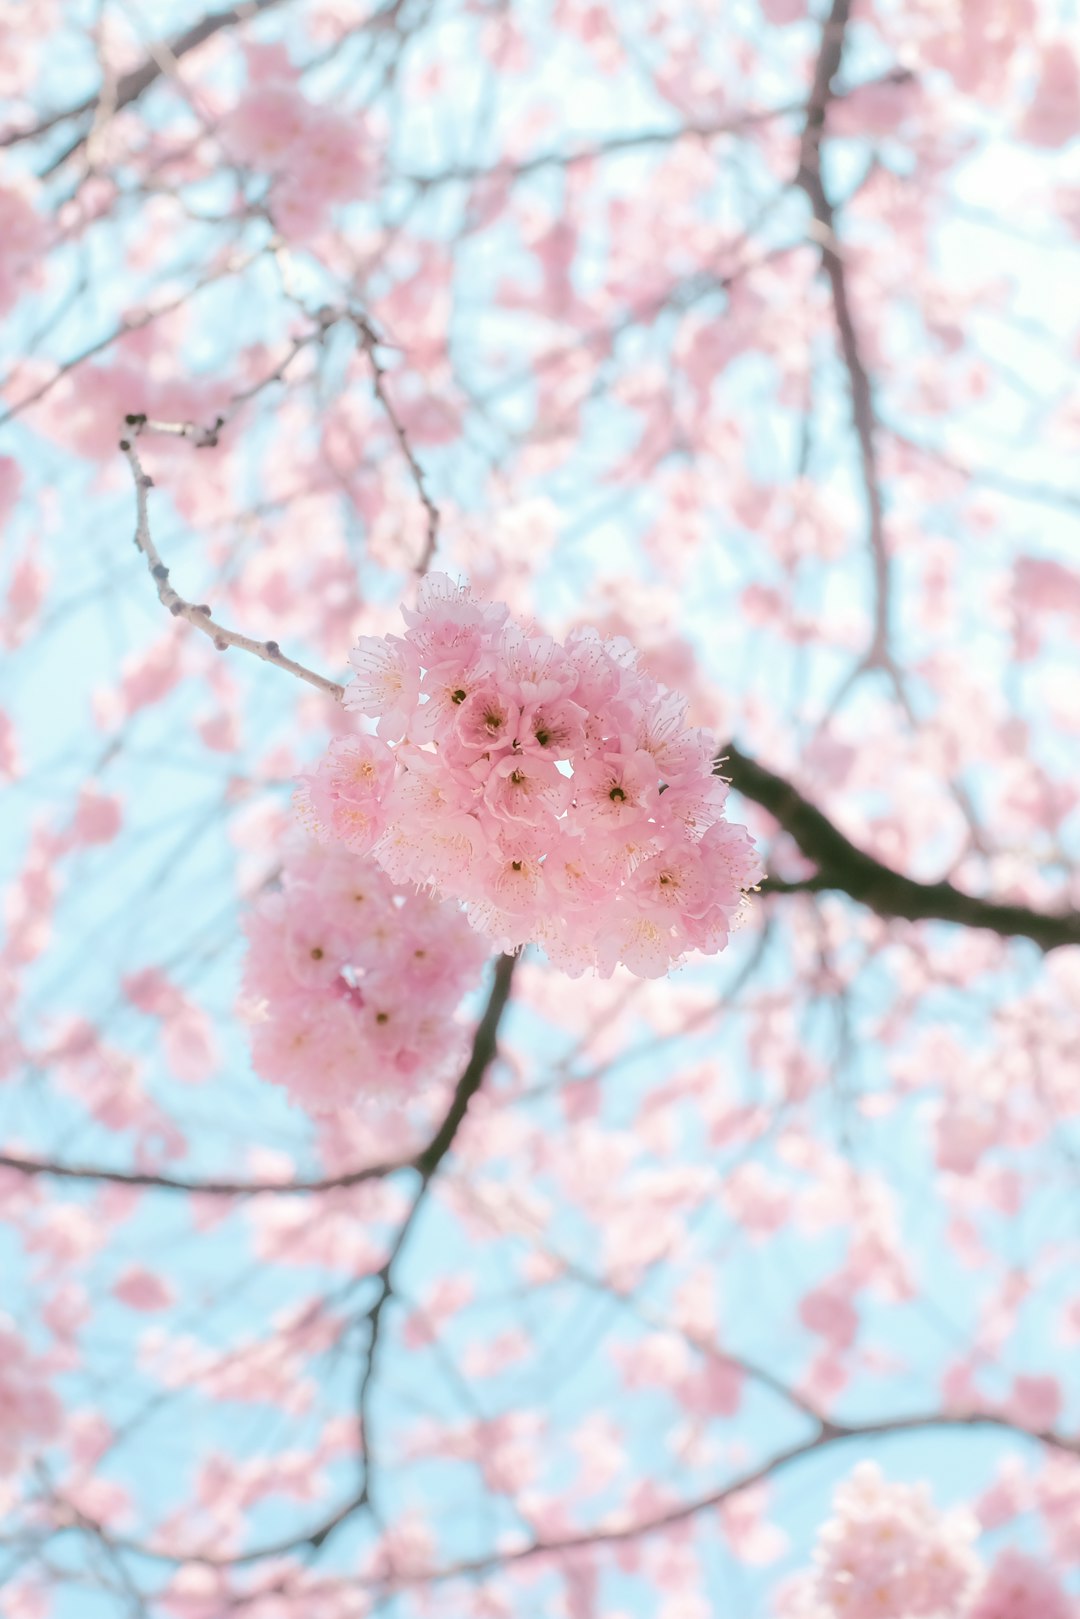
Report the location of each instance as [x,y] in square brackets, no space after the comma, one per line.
[611,1532]
[369,340]
[200,616]
[427,1162]
[827,1433]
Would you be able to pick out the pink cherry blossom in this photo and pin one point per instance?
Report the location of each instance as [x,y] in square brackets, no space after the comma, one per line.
[627,860]
[354,984]
[887,1553]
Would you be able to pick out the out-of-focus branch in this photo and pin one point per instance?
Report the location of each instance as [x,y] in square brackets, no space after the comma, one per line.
[610,1533]
[639,140]
[234,264]
[808,179]
[826,1434]
[426,1161]
[130,86]
[369,340]
[200,615]
[46,1168]
[847,869]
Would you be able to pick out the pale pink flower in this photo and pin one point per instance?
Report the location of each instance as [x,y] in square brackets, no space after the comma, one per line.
[537,666]
[24,238]
[617,790]
[30,1413]
[488,718]
[345,794]
[1035,1402]
[265,126]
[386,684]
[553,729]
[141,1289]
[521,787]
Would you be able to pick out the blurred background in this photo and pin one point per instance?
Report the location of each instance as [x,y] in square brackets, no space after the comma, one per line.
[744,330]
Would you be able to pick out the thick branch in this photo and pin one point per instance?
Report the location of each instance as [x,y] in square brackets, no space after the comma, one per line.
[472,1077]
[841,865]
[850,870]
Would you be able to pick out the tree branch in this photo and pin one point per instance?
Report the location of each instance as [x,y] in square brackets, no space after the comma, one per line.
[130,86]
[368,340]
[808,179]
[613,1532]
[426,1161]
[827,1433]
[850,870]
[46,1168]
[200,616]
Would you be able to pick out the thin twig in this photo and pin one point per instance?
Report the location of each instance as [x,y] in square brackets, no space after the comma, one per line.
[200,615]
[233,265]
[369,340]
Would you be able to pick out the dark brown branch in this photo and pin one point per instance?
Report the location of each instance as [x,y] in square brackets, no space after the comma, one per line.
[130,86]
[826,1435]
[472,1077]
[850,870]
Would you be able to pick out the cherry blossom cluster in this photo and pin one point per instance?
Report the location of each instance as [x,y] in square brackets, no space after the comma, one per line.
[354,982]
[315,157]
[888,1553]
[554,789]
